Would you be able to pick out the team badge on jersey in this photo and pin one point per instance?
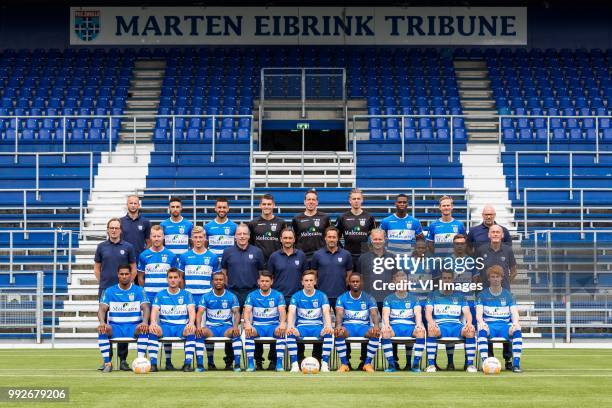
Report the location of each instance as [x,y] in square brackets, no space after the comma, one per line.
[181,230]
[206,261]
[362,222]
[250,256]
[271,303]
[180,300]
[363,306]
[164,258]
[122,252]
[131,297]
[227,231]
[297,262]
[455,229]
[339,259]
[455,301]
[140,228]
[407,305]
[502,301]
[315,303]
[316,222]
[273,227]
[224,304]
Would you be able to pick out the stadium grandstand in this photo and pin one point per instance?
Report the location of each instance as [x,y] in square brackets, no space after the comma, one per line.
[510,109]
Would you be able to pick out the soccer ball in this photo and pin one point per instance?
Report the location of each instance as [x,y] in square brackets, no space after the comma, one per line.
[310,365]
[141,365]
[491,365]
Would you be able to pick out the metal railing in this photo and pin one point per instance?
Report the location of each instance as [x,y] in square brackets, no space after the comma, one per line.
[302,160]
[30,315]
[37,193]
[134,121]
[571,165]
[568,292]
[494,118]
[581,192]
[302,73]
[63,154]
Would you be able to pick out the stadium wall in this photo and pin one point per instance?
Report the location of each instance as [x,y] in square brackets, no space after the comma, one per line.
[547,28]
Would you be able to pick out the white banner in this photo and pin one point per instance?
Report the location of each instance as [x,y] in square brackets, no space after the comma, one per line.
[298,26]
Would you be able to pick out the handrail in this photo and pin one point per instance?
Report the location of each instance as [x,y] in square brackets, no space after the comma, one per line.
[571,154]
[299,72]
[63,154]
[134,119]
[37,191]
[581,190]
[497,118]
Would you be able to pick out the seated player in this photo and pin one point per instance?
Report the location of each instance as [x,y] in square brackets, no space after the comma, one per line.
[309,316]
[198,265]
[264,315]
[497,316]
[448,315]
[172,315]
[128,316]
[222,319]
[402,317]
[356,316]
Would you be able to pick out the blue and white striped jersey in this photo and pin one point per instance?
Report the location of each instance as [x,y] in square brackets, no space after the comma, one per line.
[356,311]
[309,309]
[401,309]
[155,265]
[198,269]
[173,307]
[220,236]
[124,305]
[219,308]
[176,235]
[447,308]
[496,308]
[265,307]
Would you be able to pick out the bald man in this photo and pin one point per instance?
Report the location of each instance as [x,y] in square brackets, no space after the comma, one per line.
[497,253]
[479,234]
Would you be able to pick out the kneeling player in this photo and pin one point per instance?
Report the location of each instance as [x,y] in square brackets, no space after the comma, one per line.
[356,316]
[497,316]
[172,315]
[448,315]
[128,316]
[309,316]
[265,316]
[402,317]
[222,319]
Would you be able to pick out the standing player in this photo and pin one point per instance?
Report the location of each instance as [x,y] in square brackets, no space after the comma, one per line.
[153,265]
[172,315]
[309,316]
[198,265]
[177,229]
[310,225]
[128,316]
[448,315]
[498,317]
[222,320]
[266,229]
[402,317]
[221,230]
[265,316]
[355,226]
[356,316]
[442,231]
[402,229]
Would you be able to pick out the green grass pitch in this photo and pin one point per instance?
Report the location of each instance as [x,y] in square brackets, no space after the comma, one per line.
[551,378]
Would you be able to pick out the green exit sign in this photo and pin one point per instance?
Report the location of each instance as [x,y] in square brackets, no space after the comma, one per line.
[301,126]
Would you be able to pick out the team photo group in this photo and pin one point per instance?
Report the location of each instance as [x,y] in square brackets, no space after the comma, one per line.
[307,281]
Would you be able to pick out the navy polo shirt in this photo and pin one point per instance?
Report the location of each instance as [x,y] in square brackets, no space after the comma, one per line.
[243,266]
[331,270]
[503,257]
[136,232]
[287,270]
[480,235]
[111,256]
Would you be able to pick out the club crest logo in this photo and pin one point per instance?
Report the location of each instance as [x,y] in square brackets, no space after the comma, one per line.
[181,230]
[180,300]
[362,223]
[315,303]
[297,262]
[206,261]
[122,252]
[224,304]
[455,229]
[140,228]
[131,297]
[339,259]
[273,227]
[164,258]
[455,301]
[271,303]
[227,231]
[87,24]
[363,306]
[317,222]
[503,302]
[250,256]
[407,305]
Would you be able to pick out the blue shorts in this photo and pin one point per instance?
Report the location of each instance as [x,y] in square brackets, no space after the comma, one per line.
[219,331]
[172,330]
[356,330]
[500,329]
[310,330]
[403,330]
[265,330]
[123,330]
[450,329]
